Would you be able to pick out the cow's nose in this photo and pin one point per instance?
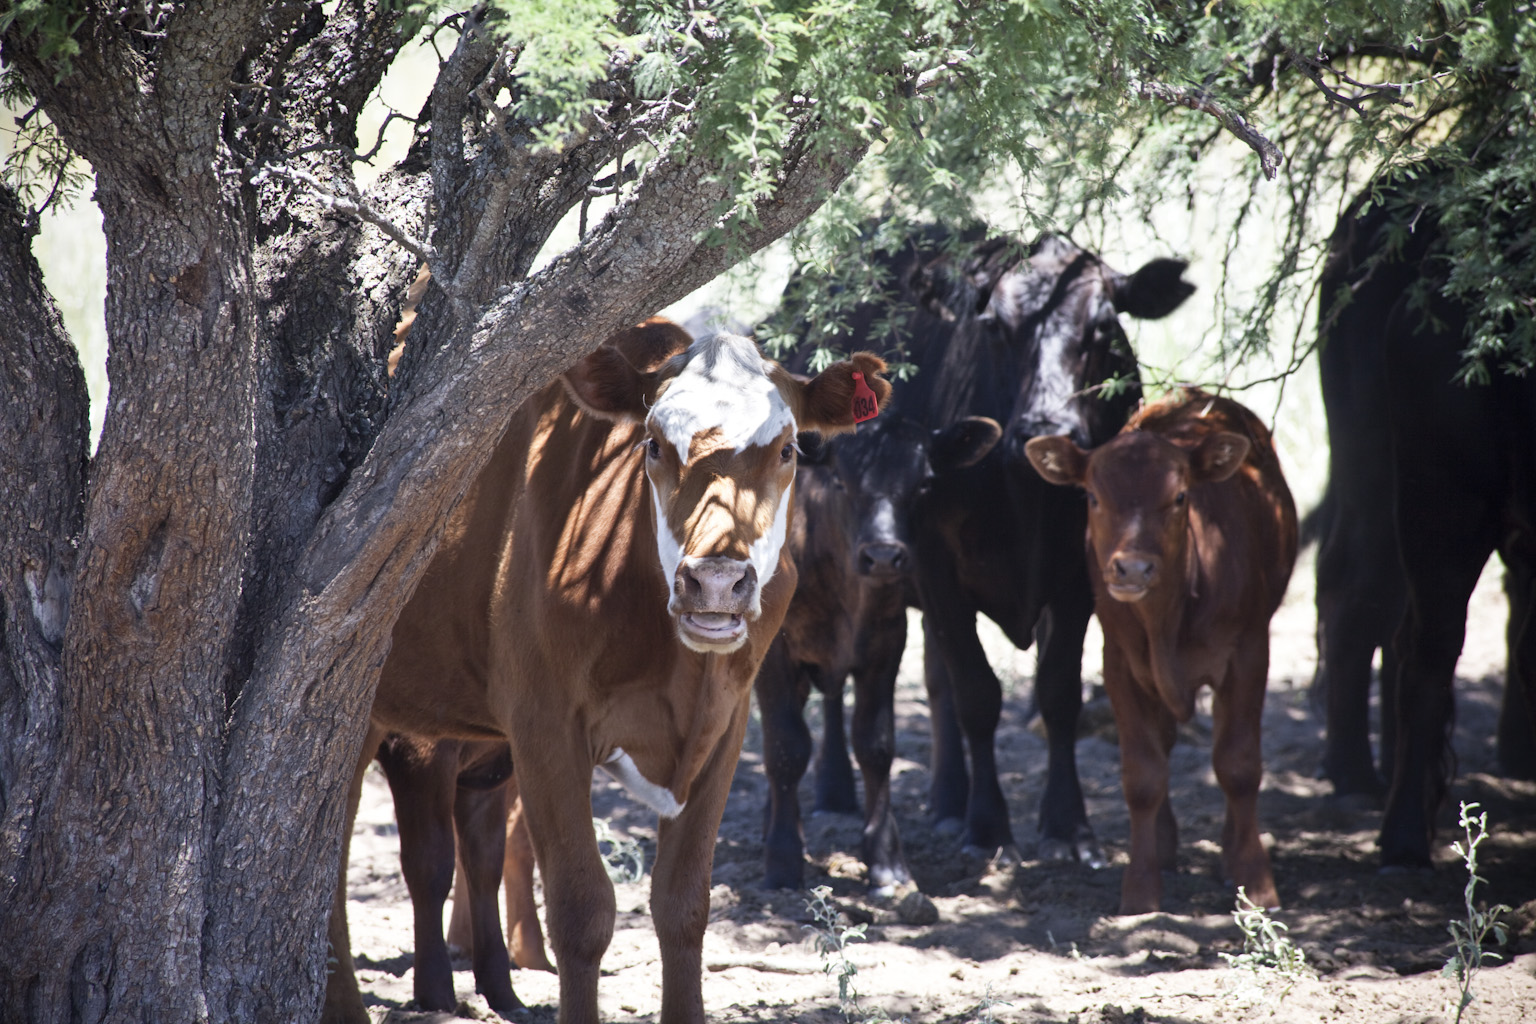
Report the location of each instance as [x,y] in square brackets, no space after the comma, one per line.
[1130,571]
[722,585]
[883,559]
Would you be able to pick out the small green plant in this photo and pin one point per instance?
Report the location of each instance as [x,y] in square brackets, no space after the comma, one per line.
[1470,934]
[1268,953]
[832,937]
[622,856]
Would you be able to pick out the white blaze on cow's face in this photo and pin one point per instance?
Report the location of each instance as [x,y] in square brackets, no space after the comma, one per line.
[720,457]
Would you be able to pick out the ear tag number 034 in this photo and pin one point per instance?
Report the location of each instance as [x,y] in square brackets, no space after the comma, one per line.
[865,405]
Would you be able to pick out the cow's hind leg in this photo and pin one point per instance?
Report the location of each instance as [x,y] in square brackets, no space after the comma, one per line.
[781,694]
[835,791]
[524,933]
[480,823]
[423,776]
[1236,756]
[1065,834]
[948,779]
[1517,715]
[874,743]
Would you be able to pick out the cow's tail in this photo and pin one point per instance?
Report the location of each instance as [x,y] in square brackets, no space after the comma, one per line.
[1316,524]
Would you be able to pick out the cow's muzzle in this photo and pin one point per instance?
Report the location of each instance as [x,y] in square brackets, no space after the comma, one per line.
[1128,577]
[712,599]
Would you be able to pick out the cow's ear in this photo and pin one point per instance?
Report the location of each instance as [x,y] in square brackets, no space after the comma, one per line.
[963,443]
[607,385]
[1154,291]
[826,402]
[1058,460]
[1218,456]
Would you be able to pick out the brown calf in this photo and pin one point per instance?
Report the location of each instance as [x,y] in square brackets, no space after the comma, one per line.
[603,597]
[1191,540]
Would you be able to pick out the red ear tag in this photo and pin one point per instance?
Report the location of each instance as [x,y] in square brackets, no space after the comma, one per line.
[865,405]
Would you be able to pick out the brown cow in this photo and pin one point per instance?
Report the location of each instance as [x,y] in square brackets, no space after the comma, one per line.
[603,597]
[1191,540]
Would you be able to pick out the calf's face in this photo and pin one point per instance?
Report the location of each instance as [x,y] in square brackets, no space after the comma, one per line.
[1138,490]
[719,453]
[881,469]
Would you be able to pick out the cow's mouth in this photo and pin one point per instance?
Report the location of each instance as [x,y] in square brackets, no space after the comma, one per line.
[1127,592]
[713,629]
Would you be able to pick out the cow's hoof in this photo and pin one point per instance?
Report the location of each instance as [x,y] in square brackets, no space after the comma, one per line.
[780,877]
[1406,869]
[1084,849]
[888,880]
[948,826]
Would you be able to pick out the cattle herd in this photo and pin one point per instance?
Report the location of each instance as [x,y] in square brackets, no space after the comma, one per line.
[678,523]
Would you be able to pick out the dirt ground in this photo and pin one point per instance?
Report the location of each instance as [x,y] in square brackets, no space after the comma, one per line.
[1042,942]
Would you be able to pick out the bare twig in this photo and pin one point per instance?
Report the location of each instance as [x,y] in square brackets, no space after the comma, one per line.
[1270,156]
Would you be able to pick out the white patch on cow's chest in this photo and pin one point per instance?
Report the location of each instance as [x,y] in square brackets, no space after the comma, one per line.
[623,769]
[724,387]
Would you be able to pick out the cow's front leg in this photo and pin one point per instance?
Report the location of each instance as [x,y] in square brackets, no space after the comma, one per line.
[685,854]
[1238,713]
[1146,729]
[556,786]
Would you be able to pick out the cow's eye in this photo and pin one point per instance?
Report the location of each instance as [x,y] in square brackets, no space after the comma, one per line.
[652,448]
[1093,501]
[1178,499]
[788,452]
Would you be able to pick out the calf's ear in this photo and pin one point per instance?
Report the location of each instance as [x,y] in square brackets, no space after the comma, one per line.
[963,443]
[825,403]
[1058,460]
[1218,456]
[608,386]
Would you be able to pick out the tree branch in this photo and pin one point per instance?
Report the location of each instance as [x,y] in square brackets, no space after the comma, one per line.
[1270,156]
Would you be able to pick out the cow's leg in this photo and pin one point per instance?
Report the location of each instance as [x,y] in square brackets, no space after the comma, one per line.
[343,1001]
[1147,730]
[949,783]
[880,644]
[781,694]
[835,792]
[685,853]
[1359,603]
[1440,582]
[556,787]
[523,929]
[1517,715]
[1238,713]
[1065,834]
[978,703]
[424,780]
[480,824]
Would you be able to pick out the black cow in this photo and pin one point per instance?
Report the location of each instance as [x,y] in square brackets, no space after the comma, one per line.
[1022,335]
[1361,592]
[850,541]
[1463,468]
